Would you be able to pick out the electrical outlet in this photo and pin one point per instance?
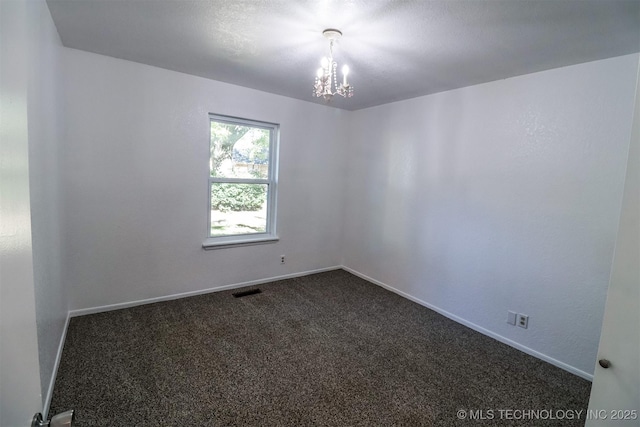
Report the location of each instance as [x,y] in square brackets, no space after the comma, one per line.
[281,259]
[523,321]
[511,317]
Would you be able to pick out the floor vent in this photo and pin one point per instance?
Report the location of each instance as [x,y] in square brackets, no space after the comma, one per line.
[246,293]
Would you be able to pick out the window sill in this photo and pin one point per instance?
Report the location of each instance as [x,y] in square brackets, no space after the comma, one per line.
[213,243]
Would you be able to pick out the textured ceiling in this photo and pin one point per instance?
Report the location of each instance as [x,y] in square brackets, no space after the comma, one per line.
[395,49]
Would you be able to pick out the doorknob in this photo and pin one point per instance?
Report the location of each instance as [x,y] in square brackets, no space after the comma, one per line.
[64,419]
[604,363]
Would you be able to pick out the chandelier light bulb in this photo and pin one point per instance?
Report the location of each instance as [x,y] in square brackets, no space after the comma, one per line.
[324,62]
[345,72]
[320,73]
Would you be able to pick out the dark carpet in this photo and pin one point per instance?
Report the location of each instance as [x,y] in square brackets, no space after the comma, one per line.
[329,349]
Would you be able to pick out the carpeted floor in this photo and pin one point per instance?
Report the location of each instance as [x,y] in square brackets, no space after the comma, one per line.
[329,349]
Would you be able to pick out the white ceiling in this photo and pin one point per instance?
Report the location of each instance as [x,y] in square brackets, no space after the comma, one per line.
[395,49]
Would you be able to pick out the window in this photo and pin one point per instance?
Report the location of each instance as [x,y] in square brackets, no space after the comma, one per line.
[242,181]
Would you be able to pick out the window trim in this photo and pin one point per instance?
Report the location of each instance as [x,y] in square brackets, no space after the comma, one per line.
[270,235]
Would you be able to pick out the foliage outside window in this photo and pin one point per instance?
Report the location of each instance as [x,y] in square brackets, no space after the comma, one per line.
[242,184]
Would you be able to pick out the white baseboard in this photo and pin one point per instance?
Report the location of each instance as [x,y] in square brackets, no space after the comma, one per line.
[118,306]
[56,365]
[475,327]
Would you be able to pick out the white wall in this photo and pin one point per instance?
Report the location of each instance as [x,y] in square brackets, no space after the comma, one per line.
[45,122]
[501,196]
[134,175]
[20,388]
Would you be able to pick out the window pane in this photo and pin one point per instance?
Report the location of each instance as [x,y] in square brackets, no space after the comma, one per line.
[239,151]
[238,208]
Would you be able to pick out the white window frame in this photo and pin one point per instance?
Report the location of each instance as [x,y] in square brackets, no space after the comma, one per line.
[214,242]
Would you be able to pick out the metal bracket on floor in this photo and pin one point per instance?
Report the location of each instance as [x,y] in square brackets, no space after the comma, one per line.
[64,419]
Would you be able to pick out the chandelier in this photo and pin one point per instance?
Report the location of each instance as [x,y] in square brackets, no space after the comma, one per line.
[326,84]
